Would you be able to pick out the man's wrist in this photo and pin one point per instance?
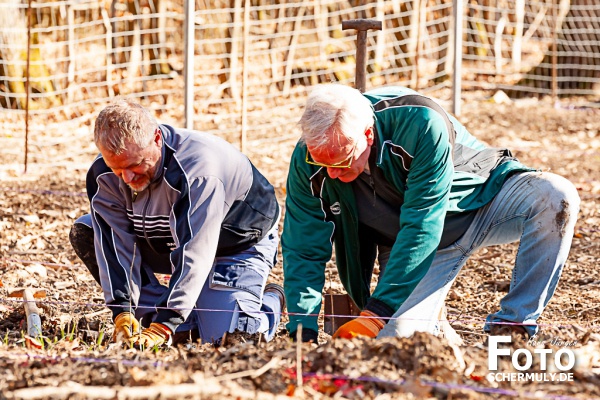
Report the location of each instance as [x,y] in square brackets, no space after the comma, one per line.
[169,318]
[380,308]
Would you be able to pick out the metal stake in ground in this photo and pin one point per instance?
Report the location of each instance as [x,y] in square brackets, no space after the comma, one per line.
[362,26]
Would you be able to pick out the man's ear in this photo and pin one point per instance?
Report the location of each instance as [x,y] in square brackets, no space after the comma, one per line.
[158,137]
[370,134]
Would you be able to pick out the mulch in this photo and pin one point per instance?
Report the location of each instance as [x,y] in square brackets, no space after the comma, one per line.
[78,360]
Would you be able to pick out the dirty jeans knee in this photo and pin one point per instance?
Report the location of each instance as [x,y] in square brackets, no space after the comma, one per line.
[566,203]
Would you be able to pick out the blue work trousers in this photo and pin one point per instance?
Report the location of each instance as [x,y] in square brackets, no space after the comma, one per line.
[232,297]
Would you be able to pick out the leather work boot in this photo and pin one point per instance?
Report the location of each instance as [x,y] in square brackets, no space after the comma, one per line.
[278,290]
[518,333]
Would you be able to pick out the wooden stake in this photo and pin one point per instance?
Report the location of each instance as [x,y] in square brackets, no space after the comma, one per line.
[299,380]
[27,85]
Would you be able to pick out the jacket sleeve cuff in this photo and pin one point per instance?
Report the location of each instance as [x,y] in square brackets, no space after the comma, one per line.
[308,335]
[379,308]
[171,319]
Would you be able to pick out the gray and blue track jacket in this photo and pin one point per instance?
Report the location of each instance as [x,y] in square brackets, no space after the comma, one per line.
[206,200]
[436,167]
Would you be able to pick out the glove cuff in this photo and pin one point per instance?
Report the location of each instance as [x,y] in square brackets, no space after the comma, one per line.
[160,329]
[374,318]
[124,315]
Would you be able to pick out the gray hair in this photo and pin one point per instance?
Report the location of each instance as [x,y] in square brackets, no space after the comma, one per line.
[333,110]
[123,122]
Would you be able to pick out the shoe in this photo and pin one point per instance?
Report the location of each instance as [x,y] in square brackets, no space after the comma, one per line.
[509,330]
[278,291]
[185,337]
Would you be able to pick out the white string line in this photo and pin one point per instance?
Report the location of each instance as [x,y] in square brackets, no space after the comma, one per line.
[470,319]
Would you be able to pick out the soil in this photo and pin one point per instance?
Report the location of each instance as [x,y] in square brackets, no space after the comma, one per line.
[77,359]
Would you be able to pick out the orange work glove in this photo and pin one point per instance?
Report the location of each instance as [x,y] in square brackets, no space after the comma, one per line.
[125,326]
[368,324]
[155,335]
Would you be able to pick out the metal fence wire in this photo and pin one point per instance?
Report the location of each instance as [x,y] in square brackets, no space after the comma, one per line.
[254,60]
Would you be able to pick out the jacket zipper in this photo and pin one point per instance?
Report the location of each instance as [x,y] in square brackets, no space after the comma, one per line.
[372,184]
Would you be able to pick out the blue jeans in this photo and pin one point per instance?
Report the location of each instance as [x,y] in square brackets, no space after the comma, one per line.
[539,210]
[232,297]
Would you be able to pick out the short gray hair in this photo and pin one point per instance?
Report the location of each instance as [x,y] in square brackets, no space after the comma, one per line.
[123,122]
[333,109]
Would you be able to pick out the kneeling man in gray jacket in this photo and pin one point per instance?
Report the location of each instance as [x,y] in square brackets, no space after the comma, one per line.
[183,203]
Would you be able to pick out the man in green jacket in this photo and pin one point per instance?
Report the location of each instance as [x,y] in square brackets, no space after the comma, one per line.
[389,175]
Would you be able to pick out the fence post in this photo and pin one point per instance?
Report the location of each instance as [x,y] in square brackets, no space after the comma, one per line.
[188,69]
[70,52]
[456,76]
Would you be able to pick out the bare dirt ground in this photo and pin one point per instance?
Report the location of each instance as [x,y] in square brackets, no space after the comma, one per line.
[77,359]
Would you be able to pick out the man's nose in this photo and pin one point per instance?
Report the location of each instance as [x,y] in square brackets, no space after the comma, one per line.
[127,176]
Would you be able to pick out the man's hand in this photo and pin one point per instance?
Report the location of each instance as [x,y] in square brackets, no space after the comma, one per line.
[368,324]
[155,335]
[126,326]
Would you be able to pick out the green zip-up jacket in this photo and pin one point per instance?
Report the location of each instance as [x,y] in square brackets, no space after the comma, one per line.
[437,167]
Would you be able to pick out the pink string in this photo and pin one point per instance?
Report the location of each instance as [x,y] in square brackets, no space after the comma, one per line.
[467,319]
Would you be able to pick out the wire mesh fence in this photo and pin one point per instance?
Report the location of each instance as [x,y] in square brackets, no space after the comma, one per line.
[255,60]
[533,48]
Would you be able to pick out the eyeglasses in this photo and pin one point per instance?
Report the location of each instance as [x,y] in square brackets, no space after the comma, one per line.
[347,163]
